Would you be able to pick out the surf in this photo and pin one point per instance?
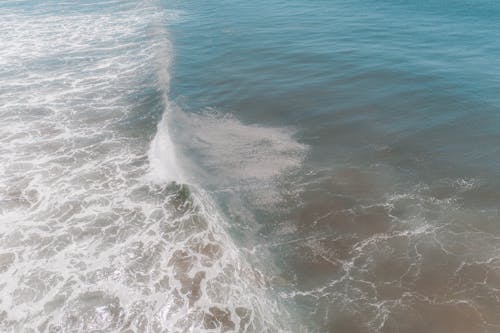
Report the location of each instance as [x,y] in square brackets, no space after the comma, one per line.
[100,229]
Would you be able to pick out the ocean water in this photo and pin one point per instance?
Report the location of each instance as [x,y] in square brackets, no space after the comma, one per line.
[264,166]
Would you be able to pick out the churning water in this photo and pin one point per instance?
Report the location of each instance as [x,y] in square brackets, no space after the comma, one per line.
[264,166]
[94,234]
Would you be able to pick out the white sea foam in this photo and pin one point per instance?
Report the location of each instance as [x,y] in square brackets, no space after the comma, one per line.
[87,240]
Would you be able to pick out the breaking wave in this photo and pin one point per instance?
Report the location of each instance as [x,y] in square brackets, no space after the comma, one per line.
[100,231]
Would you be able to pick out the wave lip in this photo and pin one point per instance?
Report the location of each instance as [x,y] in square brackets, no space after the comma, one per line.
[162,156]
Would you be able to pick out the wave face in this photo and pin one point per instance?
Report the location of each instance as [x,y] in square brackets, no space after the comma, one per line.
[97,230]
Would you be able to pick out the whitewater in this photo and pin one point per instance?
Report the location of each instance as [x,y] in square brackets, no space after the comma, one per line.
[101,229]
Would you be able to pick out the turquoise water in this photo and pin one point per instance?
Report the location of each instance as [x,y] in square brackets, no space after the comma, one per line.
[264,166]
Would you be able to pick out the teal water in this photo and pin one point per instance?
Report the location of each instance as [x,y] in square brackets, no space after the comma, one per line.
[265,166]
[389,222]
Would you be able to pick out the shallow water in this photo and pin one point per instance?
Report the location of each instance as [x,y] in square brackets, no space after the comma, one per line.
[294,166]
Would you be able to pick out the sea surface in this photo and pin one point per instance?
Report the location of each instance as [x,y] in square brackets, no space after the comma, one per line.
[304,166]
